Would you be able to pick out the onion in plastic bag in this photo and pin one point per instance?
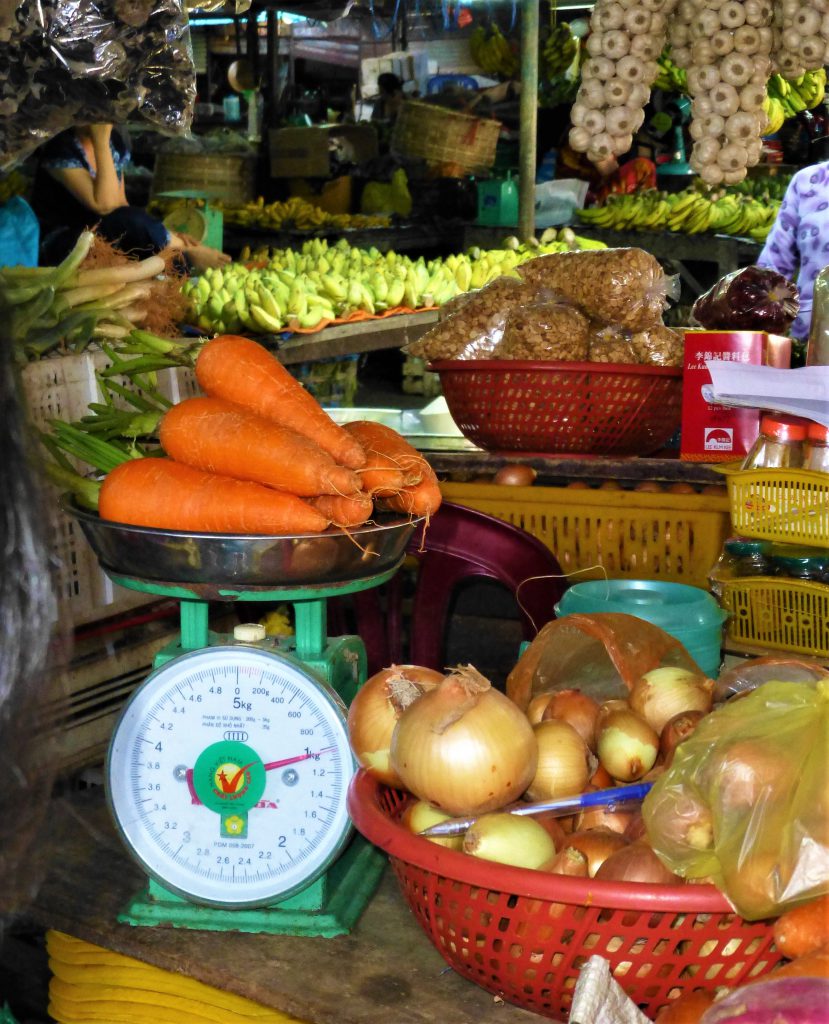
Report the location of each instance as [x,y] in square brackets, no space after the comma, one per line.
[751,299]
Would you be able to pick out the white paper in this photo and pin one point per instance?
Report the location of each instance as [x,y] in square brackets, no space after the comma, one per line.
[599,999]
[800,392]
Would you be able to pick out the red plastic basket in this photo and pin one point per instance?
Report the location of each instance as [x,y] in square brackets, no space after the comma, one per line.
[524,935]
[555,408]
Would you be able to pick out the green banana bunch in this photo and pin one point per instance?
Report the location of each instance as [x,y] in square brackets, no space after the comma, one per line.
[492,52]
[671,77]
[559,51]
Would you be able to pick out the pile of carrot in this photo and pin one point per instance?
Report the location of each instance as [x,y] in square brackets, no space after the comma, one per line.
[259,455]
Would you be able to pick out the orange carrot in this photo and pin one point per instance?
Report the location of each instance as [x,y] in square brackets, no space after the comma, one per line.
[242,371]
[391,462]
[803,929]
[169,496]
[422,499]
[345,510]
[219,437]
[812,965]
[686,1009]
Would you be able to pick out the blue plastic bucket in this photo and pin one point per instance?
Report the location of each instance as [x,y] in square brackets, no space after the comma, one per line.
[689,614]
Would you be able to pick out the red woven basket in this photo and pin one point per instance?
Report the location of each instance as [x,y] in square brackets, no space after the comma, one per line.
[556,408]
[524,935]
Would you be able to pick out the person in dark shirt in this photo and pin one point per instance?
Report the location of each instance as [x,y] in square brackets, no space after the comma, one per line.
[80,185]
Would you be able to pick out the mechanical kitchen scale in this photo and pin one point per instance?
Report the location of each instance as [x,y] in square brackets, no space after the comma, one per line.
[229,766]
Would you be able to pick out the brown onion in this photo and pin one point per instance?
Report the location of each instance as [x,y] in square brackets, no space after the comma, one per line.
[464,746]
[568,861]
[681,819]
[687,1008]
[677,730]
[602,816]
[637,863]
[597,844]
[601,778]
[419,816]
[576,709]
[627,746]
[607,708]
[636,828]
[749,770]
[537,706]
[516,475]
[663,693]
[374,712]
[562,768]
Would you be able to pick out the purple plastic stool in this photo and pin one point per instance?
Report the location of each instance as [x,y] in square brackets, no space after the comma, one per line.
[461,544]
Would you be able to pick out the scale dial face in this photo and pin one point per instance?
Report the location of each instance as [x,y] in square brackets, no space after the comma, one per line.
[227,776]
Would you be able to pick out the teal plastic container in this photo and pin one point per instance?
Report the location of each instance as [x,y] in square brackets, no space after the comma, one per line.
[498,202]
[688,613]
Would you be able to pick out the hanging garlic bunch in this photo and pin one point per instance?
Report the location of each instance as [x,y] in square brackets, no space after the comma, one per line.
[801,36]
[626,38]
[729,48]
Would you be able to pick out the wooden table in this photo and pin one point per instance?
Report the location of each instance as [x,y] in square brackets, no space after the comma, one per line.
[362,336]
[386,970]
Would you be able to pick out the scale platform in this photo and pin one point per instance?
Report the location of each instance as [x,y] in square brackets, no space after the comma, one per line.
[228,769]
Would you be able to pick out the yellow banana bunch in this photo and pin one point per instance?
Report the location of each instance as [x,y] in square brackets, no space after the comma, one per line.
[299,214]
[492,52]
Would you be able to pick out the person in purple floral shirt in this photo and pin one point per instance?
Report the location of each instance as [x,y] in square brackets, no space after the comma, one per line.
[798,243]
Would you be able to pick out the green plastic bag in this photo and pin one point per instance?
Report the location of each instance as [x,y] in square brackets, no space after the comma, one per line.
[745,801]
[6,1016]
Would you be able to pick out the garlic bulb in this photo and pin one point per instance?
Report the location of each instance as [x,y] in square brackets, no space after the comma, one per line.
[801,37]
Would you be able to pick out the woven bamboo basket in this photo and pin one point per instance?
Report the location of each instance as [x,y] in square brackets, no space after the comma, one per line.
[440,136]
[229,177]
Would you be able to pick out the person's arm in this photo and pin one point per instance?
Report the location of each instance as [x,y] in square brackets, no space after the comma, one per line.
[103,193]
[781,252]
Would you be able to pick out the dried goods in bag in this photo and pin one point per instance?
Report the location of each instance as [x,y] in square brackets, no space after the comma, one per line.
[544,330]
[751,299]
[71,62]
[610,344]
[745,803]
[624,287]
[659,346]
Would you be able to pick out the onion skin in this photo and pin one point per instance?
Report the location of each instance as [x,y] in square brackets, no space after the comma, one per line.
[601,778]
[636,862]
[568,861]
[687,1009]
[627,746]
[509,839]
[375,710]
[420,815]
[601,817]
[663,693]
[773,1001]
[562,767]
[464,746]
[537,706]
[577,709]
[746,772]
[676,731]
[636,828]
[597,845]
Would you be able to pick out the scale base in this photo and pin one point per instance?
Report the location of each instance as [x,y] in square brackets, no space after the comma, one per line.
[329,906]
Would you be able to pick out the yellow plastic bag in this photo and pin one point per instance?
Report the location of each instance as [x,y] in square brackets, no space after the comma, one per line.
[745,801]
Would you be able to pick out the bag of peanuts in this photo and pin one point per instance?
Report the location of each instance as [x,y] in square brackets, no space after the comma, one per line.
[623,287]
[545,330]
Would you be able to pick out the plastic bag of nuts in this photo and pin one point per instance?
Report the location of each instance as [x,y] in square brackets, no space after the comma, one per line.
[659,346]
[477,325]
[625,287]
[610,345]
[546,330]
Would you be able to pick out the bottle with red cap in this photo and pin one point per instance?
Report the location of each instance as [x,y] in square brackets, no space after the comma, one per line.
[816,448]
[780,443]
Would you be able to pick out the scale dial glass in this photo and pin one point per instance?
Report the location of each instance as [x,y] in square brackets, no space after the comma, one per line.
[227,776]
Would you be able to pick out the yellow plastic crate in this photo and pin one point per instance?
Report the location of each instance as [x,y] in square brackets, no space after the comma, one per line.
[784,614]
[628,534]
[790,506]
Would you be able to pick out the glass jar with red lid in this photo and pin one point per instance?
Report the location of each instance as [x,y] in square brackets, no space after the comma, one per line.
[816,448]
[779,444]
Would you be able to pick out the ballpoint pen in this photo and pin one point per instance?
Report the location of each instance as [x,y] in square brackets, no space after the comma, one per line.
[615,797]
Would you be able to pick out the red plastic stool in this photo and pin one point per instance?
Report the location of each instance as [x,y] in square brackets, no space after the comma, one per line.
[460,544]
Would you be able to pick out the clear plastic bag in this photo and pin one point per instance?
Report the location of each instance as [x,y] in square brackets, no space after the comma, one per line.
[659,346]
[623,287]
[610,345]
[745,803]
[751,299]
[545,330]
[602,655]
[70,62]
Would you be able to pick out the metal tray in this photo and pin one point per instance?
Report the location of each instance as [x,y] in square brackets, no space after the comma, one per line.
[239,560]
